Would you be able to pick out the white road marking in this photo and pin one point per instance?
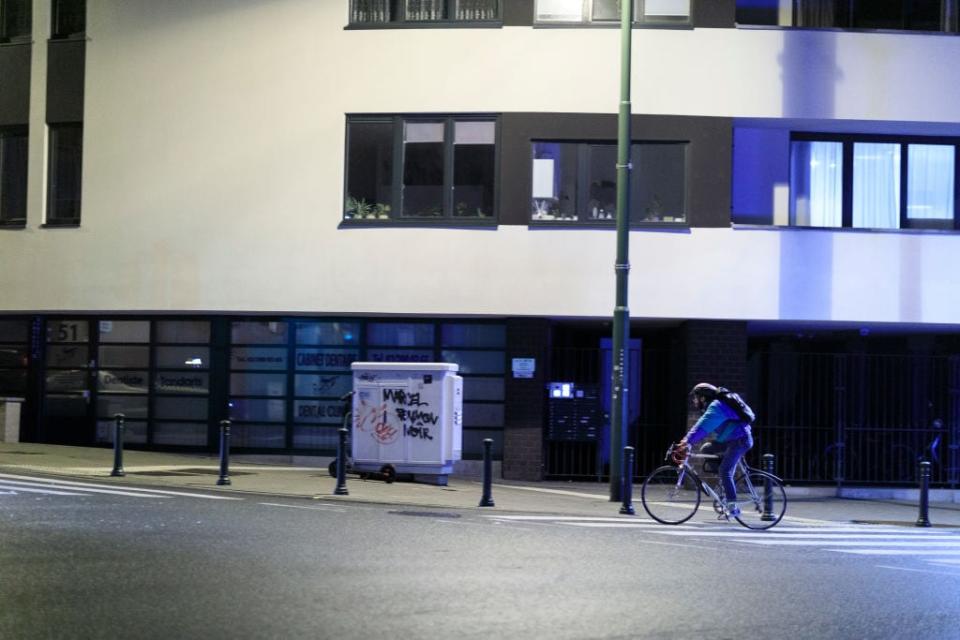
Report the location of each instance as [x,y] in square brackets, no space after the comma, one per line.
[866,542]
[295,506]
[939,573]
[16,490]
[12,479]
[76,486]
[899,552]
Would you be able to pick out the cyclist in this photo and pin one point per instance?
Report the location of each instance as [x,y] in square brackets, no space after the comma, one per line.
[729,431]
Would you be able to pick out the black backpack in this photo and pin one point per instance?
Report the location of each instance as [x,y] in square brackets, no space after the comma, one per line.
[735,402]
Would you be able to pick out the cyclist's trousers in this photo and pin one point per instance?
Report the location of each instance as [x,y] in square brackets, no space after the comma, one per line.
[735,450]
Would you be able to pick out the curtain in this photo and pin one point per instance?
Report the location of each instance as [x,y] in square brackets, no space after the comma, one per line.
[815,13]
[816,184]
[876,185]
[930,182]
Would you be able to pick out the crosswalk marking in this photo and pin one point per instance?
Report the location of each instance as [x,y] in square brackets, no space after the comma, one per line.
[22,483]
[934,548]
[13,490]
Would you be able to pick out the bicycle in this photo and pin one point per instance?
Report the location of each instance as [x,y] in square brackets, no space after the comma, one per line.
[672,494]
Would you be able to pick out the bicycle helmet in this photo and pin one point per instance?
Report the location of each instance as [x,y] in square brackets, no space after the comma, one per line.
[704,390]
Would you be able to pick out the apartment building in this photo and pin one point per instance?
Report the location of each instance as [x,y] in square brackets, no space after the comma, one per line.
[209,209]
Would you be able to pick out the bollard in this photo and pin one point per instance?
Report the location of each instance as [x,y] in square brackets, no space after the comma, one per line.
[341,488]
[224,453]
[626,482]
[118,447]
[487,499]
[767,514]
[923,520]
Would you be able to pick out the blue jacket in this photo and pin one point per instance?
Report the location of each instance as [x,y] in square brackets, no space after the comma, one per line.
[721,419]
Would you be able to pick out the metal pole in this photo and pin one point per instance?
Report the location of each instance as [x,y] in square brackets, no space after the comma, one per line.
[118,446]
[621,313]
[487,499]
[224,453]
[923,520]
[627,507]
[341,488]
[767,514]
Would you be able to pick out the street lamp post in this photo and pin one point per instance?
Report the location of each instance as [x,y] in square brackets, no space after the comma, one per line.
[621,313]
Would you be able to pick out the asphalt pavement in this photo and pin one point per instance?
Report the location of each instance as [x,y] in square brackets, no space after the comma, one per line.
[309,482]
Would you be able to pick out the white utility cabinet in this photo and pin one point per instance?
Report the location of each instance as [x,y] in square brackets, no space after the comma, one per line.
[407,415]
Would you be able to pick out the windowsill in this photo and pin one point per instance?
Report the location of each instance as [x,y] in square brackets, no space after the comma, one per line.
[13,224]
[69,37]
[428,223]
[610,224]
[16,40]
[427,24]
[684,25]
[787,27]
[66,224]
[782,227]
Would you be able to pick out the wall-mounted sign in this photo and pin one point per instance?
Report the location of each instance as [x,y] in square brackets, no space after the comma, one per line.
[524,367]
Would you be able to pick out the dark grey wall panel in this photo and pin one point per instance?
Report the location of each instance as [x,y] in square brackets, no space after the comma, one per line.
[720,14]
[15,84]
[65,74]
[517,13]
[709,156]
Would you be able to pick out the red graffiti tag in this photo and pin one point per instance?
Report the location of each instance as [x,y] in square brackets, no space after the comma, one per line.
[384,433]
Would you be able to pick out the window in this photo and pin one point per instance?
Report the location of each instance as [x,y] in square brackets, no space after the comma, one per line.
[577,182]
[13,176]
[908,15]
[381,12]
[15,20]
[656,12]
[66,156]
[872,182]
[440,169]
[69,19]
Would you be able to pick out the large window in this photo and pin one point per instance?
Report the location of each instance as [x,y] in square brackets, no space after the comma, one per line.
[69,19]
[14,357]
[437,169]
[423,12]
[13,176]
[577,182]
[15,20]
[65,179]
[655,12]
[900,15]
[872,182]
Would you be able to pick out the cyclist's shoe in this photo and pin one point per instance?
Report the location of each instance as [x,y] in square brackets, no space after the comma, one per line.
[733,510]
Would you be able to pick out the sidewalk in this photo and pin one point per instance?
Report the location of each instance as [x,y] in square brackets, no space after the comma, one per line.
[589,499]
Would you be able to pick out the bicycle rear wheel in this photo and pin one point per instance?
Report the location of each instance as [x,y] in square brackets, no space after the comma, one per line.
[762,500]
[671,495]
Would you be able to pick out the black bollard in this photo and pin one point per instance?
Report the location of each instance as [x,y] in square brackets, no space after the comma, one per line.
[341,488]
[923,520]
[224,453]
[118,446]
[486,500]
[626,482]
[767,514]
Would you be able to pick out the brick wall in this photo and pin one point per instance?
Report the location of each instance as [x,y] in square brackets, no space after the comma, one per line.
[716,352]
[524,401]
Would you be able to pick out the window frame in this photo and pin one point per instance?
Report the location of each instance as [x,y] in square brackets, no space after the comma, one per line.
[640,20]
[395,216]
[848,140]
[5,36]
[402,22]
[55,31]
[11,132]
[583,149]
[52,183]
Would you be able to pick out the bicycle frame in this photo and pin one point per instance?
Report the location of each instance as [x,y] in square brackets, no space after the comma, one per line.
[743,469]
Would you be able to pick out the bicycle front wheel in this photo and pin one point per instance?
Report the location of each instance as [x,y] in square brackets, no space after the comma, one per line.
[671,495]
[762,500]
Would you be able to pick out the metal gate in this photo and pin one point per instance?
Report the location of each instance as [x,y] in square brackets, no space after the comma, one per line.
[858,418]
